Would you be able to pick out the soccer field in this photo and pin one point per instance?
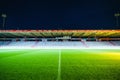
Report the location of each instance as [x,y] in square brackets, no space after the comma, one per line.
[60,64]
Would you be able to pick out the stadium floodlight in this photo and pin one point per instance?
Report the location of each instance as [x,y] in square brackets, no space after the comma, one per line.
[4,18]
[117,20]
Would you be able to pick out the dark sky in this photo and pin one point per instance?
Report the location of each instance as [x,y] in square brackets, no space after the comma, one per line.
[60,14]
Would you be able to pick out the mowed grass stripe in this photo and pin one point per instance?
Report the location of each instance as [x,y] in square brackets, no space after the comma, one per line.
[36,65]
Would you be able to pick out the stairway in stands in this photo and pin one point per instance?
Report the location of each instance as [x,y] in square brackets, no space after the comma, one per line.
[85,45]
[35,44]
[112,43]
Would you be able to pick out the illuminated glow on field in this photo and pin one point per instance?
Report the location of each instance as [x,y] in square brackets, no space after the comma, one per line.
[111,55]
[58,47]
[59,64]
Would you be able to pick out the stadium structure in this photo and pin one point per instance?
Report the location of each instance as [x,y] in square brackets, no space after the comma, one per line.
[59,54]
[85,39]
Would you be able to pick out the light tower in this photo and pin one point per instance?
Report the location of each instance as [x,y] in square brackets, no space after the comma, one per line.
[4,19]
[117,19]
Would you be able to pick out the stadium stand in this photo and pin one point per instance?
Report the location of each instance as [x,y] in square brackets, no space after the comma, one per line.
[39,44]
[60,39]
[116,43]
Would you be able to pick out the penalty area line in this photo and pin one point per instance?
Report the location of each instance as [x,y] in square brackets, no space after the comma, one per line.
[59,66]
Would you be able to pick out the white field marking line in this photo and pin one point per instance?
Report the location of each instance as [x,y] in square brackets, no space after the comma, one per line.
[59,66]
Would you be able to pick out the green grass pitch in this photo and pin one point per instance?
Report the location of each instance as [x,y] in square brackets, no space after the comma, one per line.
[49,64]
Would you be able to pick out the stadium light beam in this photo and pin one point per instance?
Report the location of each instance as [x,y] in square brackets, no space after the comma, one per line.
[4,18]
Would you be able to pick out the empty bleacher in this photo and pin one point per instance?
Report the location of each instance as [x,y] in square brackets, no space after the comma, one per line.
[54,44]
[116,43]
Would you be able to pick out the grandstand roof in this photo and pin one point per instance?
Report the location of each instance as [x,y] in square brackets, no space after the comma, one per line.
[59,33]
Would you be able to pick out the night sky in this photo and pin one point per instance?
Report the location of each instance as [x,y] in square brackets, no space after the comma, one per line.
[60,14]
